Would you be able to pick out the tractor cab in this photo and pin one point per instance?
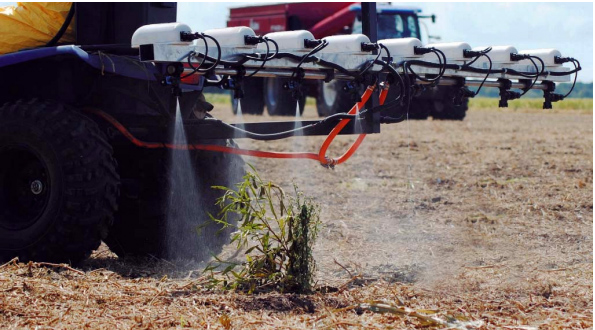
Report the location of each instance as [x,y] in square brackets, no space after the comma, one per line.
[393,22]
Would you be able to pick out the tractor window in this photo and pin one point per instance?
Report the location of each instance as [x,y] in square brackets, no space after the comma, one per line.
[391,26]
[357,25]
[412,26]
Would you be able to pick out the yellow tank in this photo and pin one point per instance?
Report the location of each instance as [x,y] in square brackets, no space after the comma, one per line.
[33,24]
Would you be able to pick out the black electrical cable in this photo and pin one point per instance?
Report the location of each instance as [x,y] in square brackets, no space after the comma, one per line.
[315,50]
[480,53]
[576,68]
[218,54]
[318,61]
[193,54]
[439,52]
[537,74]
[266,57]
[487,74]
[371,64]
[442,65]
[394,72]
[389,58]
[63,28]
[276,47]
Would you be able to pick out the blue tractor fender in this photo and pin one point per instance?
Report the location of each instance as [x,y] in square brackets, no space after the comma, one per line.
[120,65]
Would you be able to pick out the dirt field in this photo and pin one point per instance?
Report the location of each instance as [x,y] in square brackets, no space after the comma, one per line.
[488,221]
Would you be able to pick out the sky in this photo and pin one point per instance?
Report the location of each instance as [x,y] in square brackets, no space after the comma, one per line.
[565,26]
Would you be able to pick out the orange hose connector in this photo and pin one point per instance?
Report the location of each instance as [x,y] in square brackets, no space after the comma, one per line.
[322,153]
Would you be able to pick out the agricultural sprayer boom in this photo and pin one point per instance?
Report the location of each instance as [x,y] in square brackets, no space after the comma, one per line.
[231,54]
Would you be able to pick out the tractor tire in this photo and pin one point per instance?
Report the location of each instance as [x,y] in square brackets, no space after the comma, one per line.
[58,183]
[141,227]
[279,101]
[253,101]
[420,109]
[446,110]
[332,99]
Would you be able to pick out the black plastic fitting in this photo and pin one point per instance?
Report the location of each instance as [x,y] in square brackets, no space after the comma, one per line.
[506,94]
[421,50]
[311,43]
[468,53]
[252,40]
[517,57]
[189,36]
[561,60]
[369,46]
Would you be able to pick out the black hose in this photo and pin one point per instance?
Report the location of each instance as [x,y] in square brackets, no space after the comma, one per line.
[577,66]
[206,51]
[63,28]
[266,58]
[487,74]
[537,72]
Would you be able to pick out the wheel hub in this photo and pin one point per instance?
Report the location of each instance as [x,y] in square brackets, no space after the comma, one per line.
[36,187]
[24,187]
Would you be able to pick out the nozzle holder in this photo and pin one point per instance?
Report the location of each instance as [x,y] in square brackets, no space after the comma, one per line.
[549,96]
[506,94]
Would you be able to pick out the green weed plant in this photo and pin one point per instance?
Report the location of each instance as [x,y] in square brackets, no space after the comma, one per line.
[277,231]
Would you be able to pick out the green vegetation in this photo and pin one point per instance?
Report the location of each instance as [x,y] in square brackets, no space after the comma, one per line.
[531,104]
[218,98]
[278,232]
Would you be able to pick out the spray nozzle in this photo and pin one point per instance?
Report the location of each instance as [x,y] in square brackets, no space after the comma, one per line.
[461,94]
[294,86]
[352,88]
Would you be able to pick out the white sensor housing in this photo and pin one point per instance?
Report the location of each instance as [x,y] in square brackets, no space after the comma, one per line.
[401,48]
[452,50]
[547,55]
[349,43]
[228,37]
[165,33]
[498,54]
[289,41]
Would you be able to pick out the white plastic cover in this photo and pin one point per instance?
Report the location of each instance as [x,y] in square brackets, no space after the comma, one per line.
[547,55]
[403,47]
[229,37]
[289,40]
[349,43]
[498,54]
[164,33]
[452,50]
